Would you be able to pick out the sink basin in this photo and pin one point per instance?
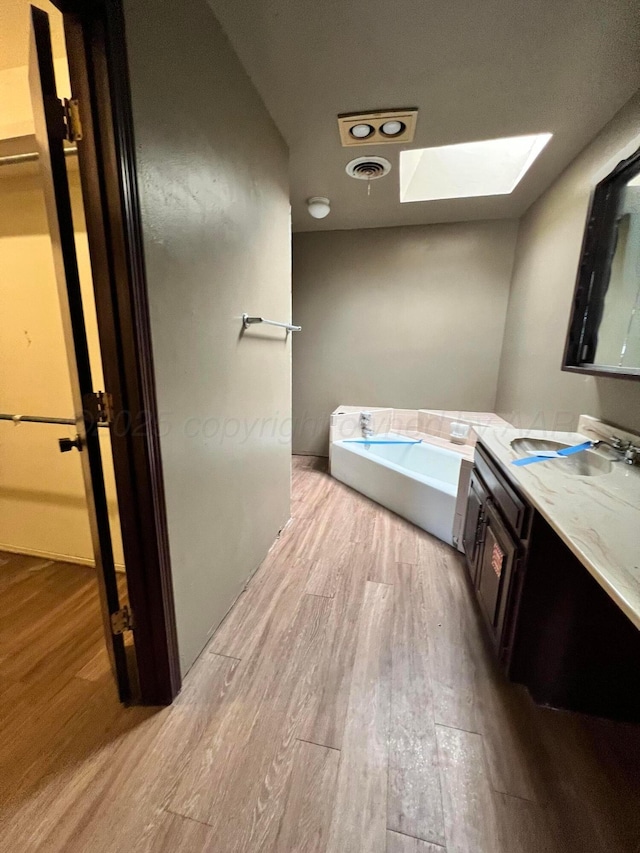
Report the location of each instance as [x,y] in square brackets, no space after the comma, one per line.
[585,464]
[522,446]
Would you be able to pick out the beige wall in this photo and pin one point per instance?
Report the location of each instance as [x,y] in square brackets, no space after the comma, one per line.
[408,317]
[16,119]
[42,501]
[533,391]
[215,213]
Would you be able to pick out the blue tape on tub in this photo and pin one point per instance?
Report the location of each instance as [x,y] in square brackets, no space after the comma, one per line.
[368,441]
[566,451]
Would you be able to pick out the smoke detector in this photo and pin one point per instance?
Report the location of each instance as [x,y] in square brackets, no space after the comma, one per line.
[368,168]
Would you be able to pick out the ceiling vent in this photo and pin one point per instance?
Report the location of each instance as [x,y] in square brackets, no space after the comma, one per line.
[377,128]
[368,168]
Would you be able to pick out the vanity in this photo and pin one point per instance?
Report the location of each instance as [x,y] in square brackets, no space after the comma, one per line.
[553,553]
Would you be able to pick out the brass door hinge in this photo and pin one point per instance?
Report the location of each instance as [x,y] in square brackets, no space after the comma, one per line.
[121,621]
[72,119]
[100,406]
[104,402]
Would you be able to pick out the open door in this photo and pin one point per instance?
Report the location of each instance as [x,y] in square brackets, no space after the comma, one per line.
[54,122]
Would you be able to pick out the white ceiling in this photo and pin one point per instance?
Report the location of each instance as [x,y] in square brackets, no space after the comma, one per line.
[476,69]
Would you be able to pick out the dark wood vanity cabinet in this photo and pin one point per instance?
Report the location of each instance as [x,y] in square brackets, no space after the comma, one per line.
[473,527]
[495,543]
[553,627]
[495,574]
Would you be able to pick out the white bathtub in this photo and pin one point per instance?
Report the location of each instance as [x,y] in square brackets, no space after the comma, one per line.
[417,481]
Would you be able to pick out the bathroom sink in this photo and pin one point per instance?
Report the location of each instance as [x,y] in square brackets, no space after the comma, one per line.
[585,464]
[522,446]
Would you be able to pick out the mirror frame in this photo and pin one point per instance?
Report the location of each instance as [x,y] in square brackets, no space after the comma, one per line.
[593,276]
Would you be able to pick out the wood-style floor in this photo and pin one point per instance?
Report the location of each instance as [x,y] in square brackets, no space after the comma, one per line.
[348,704]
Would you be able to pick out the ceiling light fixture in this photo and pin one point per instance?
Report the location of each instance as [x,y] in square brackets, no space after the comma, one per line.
[393,128]
[380,127]
[318,206]
[361,131]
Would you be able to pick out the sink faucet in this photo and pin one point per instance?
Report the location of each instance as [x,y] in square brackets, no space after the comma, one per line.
[629,453]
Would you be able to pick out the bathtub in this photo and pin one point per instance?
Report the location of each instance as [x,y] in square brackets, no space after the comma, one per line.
[416,481]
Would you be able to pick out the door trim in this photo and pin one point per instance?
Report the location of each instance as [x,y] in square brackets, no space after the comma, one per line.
[99,74]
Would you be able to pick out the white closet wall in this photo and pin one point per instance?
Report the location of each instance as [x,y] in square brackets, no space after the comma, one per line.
[42,503]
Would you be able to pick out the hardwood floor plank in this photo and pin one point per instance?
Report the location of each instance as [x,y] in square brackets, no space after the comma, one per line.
[364,517]
[330,526]
[359,815]
[394,541]
[309,805]
[133,767]
[471,822]
[176,834]
[324,721]
[327,571]
[238,775]
[453,638]
[415,801]
[311,493]
[397,843]
[469,691]
[273,593]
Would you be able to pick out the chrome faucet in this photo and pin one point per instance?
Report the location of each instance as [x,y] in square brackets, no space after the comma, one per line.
[365,424]
[629,453]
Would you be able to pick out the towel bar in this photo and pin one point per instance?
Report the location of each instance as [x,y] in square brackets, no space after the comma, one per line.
[250,321]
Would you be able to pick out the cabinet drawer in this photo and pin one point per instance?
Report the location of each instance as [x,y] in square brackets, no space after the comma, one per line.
[511,505]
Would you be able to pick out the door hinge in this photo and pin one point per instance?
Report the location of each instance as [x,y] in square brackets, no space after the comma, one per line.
[72,119]
[121,621]
[100,406]
[104,402]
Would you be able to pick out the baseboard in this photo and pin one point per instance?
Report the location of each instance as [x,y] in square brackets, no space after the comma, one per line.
[56,558]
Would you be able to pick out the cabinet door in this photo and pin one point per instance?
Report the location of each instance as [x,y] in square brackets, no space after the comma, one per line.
[496,563]
[471,537]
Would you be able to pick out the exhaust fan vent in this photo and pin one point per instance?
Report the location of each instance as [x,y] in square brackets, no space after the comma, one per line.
[368,168]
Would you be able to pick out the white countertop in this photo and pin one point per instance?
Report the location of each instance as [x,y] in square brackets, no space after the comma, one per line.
[598,517]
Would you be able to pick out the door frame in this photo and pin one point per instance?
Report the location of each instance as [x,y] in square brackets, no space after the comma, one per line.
[97,57]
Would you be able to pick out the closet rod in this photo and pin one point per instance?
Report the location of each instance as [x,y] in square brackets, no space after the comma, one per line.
[31,156]
[35,419]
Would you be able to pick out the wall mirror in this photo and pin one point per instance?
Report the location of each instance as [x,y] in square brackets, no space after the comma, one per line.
[604,330]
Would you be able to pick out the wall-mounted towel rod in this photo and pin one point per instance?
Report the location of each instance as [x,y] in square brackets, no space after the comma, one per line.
[250,321]
[31,156]
[35,419]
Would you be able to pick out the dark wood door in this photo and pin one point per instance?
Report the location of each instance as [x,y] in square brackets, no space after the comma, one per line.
[496,562]
[51,131]
[472,534]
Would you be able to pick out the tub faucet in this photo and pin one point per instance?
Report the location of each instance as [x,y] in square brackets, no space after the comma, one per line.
[365,424]
[628,453]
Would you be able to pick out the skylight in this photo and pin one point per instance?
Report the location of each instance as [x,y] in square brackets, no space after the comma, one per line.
[491,167]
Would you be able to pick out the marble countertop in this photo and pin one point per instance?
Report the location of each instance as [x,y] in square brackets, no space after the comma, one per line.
[598,517]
